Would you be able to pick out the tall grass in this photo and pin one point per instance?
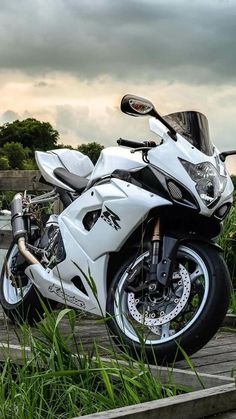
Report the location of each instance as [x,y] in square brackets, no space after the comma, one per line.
[228,242]
[59,379]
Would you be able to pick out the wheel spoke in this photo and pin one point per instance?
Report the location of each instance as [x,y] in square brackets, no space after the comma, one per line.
[155,329]
[165,331]
[198,272]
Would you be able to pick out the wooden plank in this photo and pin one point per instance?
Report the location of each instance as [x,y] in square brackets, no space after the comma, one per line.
[192,405]
[225,415]
[224,338]
[206,351]
[5,239]
[219,369]
[19,180]
[211,359]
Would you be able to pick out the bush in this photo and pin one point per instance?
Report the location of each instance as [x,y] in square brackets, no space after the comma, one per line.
[228,242]
[4,163]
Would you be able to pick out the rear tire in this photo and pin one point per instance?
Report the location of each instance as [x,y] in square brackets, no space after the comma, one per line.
[19,298]
[201,316]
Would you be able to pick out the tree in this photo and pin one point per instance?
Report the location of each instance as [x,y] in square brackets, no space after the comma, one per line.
[30,133]
[16,154]
[92,150]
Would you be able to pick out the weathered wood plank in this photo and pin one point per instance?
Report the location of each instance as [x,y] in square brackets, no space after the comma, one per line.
[19,180]
[222,338]
[211,359]
[192,405]
[212,350]
[5,239]
[218,369]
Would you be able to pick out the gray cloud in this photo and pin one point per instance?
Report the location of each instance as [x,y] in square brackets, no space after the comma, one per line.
[41,84]
[143,40]
[9,116]
[76,125]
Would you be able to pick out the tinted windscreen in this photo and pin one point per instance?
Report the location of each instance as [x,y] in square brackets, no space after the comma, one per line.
[193,126]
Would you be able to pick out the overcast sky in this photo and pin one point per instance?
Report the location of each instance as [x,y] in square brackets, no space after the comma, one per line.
[70,62]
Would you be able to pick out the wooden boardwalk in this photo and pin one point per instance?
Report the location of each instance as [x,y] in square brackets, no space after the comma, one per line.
[218,357]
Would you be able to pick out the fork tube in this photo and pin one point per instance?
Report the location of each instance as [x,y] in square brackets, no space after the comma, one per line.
[156,237]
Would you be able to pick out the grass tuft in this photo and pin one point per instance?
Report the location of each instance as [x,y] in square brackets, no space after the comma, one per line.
[59,379]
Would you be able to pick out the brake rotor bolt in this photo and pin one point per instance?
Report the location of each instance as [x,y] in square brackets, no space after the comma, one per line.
[176,300]
[136,301]
[162,313]
[180,283]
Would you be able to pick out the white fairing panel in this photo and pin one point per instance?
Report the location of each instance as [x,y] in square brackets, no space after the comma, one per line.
[75,161]
[167,157]
[123,207]
[112,158]
[72,160]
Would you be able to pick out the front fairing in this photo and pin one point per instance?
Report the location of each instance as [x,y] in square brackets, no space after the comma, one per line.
[167,158]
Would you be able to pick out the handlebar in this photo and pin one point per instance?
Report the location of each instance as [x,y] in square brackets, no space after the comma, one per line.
[135,144]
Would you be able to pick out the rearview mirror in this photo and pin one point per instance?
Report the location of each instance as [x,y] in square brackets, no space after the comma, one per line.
[138,106]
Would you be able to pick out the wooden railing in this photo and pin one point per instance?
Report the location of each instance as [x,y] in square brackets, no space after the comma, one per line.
[18,180]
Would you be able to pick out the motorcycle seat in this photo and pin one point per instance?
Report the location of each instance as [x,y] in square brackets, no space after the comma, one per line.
[78,183]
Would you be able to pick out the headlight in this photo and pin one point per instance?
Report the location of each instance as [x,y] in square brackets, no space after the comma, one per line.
[209,183]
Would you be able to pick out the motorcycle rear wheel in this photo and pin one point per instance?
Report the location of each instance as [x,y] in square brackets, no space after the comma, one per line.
[18,296]
[188,314]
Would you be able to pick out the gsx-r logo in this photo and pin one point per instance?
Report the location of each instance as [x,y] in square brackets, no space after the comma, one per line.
[111,218]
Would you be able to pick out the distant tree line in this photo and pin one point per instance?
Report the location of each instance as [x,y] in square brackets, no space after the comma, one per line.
[20,139]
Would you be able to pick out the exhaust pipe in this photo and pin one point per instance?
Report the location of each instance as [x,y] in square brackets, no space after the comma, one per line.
[25,252]
[19,230]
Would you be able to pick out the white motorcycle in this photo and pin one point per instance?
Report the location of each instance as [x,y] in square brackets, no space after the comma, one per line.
[135,241]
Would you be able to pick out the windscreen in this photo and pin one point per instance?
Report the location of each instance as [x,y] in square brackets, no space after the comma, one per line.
[193,126]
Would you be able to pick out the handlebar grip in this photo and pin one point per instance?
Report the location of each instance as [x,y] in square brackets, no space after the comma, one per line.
[135,144]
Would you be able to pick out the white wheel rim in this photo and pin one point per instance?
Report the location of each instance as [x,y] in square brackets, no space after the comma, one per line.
[121,306]
[12,294]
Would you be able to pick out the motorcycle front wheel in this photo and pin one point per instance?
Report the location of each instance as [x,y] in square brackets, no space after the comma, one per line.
[185,315]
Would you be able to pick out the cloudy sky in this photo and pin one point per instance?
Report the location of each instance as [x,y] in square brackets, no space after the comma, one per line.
[70,62]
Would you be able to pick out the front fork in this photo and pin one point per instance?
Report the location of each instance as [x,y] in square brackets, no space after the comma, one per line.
[164,250]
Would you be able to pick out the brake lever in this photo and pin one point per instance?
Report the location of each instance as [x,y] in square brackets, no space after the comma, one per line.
[140,149]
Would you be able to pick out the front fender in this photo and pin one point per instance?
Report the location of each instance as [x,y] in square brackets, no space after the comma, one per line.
[199,239]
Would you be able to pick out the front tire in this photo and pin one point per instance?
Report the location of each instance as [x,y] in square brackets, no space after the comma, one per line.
[18,296]
[188,314]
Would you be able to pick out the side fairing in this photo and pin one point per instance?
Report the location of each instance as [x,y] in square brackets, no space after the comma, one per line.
[123,206]
[112,158]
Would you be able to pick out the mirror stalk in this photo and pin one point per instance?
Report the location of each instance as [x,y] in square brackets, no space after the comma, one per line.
[225,154]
